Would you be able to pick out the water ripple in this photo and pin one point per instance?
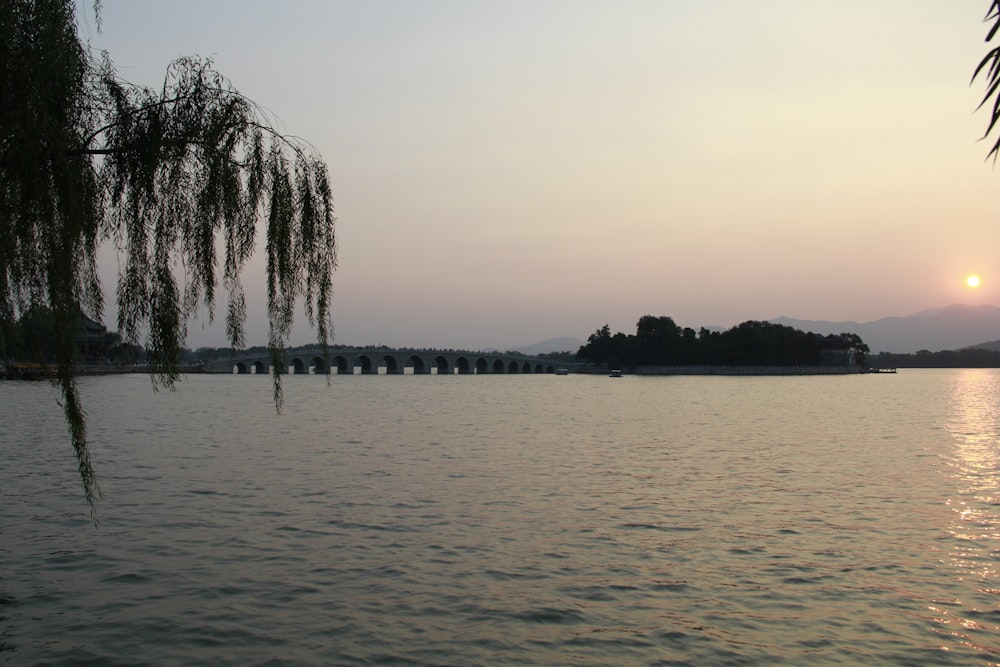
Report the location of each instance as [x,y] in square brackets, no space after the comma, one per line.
[490,521]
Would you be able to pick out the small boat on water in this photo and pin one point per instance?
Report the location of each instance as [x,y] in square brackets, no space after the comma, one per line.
[562,371]
[616,373]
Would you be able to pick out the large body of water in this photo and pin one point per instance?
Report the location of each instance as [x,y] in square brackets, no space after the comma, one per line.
[518,520]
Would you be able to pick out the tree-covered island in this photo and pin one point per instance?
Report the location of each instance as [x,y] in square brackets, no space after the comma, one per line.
[659,341]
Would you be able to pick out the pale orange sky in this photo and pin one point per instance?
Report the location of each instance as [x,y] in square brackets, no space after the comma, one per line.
[506,172]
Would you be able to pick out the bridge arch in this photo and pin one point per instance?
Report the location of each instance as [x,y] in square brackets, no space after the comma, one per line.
[498,366]
[259,368]
[463,365]
[297,366]
[482,366]
[416,362]
[320,366]
[442,365]
[513,367]
[365,362]
[391,365]
[241,368]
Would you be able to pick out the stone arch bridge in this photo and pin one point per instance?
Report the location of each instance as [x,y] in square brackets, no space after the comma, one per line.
[383,361]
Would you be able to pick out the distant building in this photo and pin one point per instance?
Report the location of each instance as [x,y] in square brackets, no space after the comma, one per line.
[93,339]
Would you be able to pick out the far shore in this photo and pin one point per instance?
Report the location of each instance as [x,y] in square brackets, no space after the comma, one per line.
[732,370]
[25,371]
[41,372]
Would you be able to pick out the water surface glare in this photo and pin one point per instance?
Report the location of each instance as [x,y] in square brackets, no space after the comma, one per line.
[471,520]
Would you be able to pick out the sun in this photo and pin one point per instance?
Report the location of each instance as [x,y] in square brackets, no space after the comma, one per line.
[972,281]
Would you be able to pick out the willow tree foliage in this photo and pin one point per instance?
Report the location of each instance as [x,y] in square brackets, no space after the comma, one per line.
[178,178]
[989,67]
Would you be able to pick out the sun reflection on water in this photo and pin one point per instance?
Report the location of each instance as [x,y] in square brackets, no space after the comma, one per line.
[974,424]
[974,417]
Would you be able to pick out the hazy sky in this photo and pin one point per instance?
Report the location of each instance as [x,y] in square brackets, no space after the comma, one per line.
[509,171]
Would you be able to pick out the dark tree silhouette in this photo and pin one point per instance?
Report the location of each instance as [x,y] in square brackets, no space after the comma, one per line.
[658,341]
[167,176]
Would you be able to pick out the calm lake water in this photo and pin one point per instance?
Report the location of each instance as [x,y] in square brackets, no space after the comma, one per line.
[521,520]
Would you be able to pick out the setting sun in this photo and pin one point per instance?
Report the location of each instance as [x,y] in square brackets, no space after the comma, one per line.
[972,281]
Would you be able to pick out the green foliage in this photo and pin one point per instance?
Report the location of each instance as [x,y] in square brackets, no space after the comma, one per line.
[658,341]
[167,176]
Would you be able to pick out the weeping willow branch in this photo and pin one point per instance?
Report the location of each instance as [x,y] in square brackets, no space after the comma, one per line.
[989,67]
[167,176]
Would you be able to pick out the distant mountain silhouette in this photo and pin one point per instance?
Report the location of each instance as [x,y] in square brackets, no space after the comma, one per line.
[561,344]
[949,328]
[993,346]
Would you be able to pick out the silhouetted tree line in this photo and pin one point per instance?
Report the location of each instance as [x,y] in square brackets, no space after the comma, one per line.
[566,356]
[967,358]
[32,338]
[659,341]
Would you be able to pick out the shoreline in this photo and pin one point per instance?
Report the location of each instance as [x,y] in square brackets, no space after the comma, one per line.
[734,370]
[40,372]
[24,371]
